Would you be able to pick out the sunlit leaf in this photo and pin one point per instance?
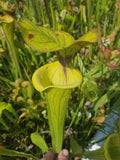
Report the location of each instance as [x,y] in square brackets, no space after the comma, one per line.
[46,40]
[43,39]
[56,75]
[65,39]
[90,37]
[6,19]
[39,141]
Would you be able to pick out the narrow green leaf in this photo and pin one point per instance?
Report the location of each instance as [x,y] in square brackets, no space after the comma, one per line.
[39,141]
[9,35]
[81,65]
[98,70]
[10,118]
[112,92]
[8,107]
[12,153]
[3,123]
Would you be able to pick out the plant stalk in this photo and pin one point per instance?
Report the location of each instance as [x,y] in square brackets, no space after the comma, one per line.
[57,100]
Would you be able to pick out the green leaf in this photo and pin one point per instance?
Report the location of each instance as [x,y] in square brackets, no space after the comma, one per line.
[90,90]
[113,91]
[98,70]
[81,65]
[56,75]
[8,29]
[90,37]
[112,147]
[39,141]
[10,118]
[3,123]
[46,40]
[92,155]
[95,155]
[76,148]
[110,150]
[12,153]
[8,107]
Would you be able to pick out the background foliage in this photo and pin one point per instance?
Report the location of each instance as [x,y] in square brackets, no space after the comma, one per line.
[23,109]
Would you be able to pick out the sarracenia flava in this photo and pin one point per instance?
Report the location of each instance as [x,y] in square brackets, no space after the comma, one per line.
[56,79]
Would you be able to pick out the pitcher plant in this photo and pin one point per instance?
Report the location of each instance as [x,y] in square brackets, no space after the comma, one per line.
[56,79]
